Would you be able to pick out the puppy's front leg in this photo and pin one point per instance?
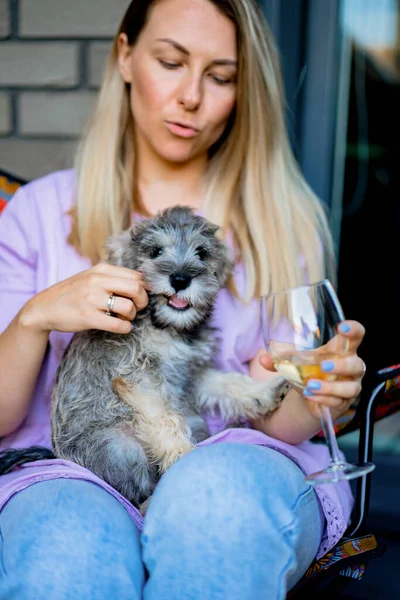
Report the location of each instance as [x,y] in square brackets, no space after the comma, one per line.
[163,433]
[236,395]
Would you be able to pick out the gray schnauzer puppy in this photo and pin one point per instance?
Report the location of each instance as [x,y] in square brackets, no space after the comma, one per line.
[128,406]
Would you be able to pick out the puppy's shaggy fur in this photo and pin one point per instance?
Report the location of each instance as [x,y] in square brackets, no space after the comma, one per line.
[128,406]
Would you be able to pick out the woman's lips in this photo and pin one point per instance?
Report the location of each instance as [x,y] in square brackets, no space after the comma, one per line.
[182,130]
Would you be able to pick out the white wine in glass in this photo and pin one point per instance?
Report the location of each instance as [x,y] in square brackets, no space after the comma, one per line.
[300,367]
[300,329]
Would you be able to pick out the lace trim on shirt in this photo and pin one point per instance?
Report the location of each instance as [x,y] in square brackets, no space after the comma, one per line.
[335,523]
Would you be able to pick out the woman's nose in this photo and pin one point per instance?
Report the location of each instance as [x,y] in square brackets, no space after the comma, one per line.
[191,92]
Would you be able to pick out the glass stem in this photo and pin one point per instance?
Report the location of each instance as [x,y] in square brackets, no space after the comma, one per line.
[329,432]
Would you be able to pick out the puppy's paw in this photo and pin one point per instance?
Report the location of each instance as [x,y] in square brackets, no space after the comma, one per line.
[174,453]
[237,395]
[271,394]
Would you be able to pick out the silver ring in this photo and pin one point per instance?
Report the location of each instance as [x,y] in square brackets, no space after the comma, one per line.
[110,305]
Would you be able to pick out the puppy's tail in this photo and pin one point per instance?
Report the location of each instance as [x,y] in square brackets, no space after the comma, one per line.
[12,458]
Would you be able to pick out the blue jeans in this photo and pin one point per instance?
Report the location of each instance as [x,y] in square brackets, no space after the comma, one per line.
[226,521]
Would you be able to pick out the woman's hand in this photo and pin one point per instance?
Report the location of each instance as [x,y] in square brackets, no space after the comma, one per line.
[80,302]
[339,394]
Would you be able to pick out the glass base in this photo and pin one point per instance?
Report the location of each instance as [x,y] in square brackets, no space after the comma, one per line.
[340,472]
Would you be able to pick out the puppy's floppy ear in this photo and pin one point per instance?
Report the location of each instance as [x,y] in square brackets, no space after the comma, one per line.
[121,250]
[225,263]
[221,252]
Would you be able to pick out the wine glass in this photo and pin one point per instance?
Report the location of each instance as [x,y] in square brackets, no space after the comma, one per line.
[300,330]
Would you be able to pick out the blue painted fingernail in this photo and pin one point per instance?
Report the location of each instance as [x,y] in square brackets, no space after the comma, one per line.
[308,392]
[327,365]
[345,328]
[314,385]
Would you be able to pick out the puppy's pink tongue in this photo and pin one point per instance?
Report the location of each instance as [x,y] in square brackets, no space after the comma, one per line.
[177,302]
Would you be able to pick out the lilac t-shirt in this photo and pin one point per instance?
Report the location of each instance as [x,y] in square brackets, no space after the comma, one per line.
[34,254]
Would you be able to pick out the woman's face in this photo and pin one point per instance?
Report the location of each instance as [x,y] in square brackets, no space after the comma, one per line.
[182,72]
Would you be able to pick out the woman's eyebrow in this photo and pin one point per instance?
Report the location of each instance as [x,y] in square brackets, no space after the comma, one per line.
[175,44]
[180,48]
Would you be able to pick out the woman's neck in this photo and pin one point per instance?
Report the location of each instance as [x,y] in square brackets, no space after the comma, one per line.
[161,184]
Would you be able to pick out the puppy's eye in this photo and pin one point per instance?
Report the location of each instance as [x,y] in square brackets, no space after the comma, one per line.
[201,252]
[154,252]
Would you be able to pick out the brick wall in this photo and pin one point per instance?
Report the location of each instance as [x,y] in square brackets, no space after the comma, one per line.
[52,54]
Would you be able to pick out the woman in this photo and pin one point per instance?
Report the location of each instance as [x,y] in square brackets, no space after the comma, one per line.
[190,112]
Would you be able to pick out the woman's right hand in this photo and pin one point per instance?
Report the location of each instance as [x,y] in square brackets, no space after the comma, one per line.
[80,302]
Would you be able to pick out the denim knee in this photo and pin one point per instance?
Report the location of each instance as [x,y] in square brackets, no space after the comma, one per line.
[228,519]
[68,539]
[230,479]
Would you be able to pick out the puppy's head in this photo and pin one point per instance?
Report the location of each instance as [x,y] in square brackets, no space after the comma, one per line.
[182,261]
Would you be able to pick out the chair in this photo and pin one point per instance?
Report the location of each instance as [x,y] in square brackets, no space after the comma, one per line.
[349,558]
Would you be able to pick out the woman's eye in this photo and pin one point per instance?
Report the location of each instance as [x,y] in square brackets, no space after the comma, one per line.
[168,64]
[155,252]
[201,253]
[220,80]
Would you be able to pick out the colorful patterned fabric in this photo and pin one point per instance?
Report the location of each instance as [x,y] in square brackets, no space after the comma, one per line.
[353,572]
[345,549]
[8,186]
[349,559]
[393,369]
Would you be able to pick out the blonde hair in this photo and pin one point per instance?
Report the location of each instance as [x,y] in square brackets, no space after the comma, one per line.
[255,188]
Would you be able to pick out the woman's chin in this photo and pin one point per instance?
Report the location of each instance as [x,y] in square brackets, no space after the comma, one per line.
[179,154]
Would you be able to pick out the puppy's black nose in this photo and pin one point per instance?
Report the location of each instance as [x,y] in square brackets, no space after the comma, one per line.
[179,282]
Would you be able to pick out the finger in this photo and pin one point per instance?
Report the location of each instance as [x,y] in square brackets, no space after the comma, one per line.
[345,366]
[354,332]
[140,298]
[112,324]
[116,271]
[265,360]
[337,406]
[122,286]
[136,293]
[342,390]
[122,307]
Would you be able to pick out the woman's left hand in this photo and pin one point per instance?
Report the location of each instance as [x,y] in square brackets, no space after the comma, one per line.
[339,394]
[349,369]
